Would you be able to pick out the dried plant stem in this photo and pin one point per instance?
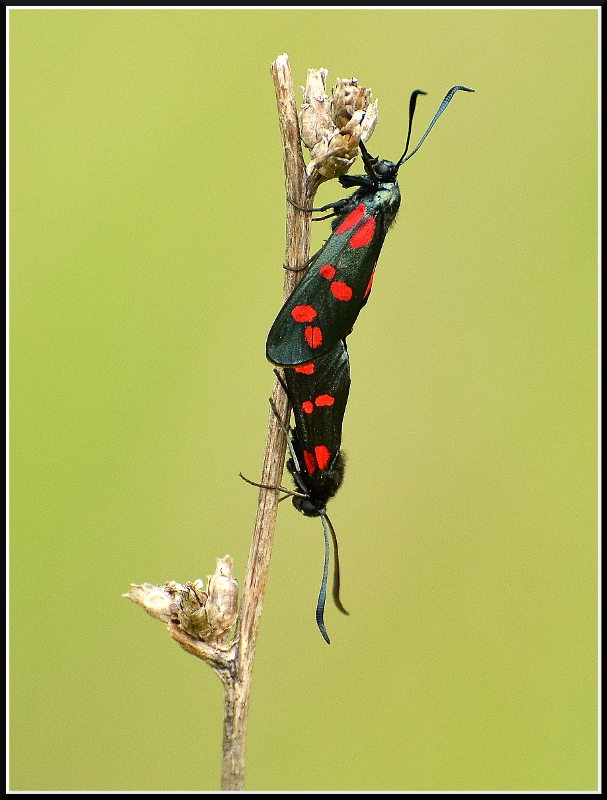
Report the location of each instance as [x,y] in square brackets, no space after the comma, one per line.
[237,681]
[201,617]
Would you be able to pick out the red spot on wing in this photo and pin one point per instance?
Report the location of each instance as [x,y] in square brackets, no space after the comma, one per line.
[306,369]
[328,271]
[313,336]
[303,313]
[307,406]
[364,234]
[324,400]
[341,291]
[353,218]
[370,284]
[322,456]
[310,462]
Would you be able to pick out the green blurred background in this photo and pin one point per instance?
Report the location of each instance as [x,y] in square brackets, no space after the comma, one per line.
[147,238]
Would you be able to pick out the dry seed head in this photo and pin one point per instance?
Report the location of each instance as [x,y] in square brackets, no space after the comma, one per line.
[332,129]
[348,98]
[315,115]
[222,604]
[191,612]
[206,614]
[154,599]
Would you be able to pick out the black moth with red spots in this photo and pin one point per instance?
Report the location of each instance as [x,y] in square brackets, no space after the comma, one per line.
[324,306]
[308,336]
[318,392]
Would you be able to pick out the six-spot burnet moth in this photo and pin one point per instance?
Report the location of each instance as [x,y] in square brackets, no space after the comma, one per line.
[308,336]
[318,392]
[324,306]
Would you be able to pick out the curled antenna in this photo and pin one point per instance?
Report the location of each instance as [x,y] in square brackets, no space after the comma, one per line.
[320,606]
[441,108]
[336,573]
[412,104]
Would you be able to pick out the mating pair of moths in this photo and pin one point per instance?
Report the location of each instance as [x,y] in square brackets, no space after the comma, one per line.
[308,337]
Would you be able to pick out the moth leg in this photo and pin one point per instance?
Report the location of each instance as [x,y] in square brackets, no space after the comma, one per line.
[305,266]
[335,207]
[275,488]
[284,428]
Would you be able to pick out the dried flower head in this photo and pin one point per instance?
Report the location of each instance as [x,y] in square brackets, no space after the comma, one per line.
[222,602]
[206,614]
[333,128]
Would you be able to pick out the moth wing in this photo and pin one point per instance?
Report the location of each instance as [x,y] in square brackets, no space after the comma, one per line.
[324,306]
[319,396]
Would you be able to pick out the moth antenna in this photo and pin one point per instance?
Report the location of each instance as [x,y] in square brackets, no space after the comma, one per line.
[320,606]
[441,108]
[336,572]
[412,104]
[369,161]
